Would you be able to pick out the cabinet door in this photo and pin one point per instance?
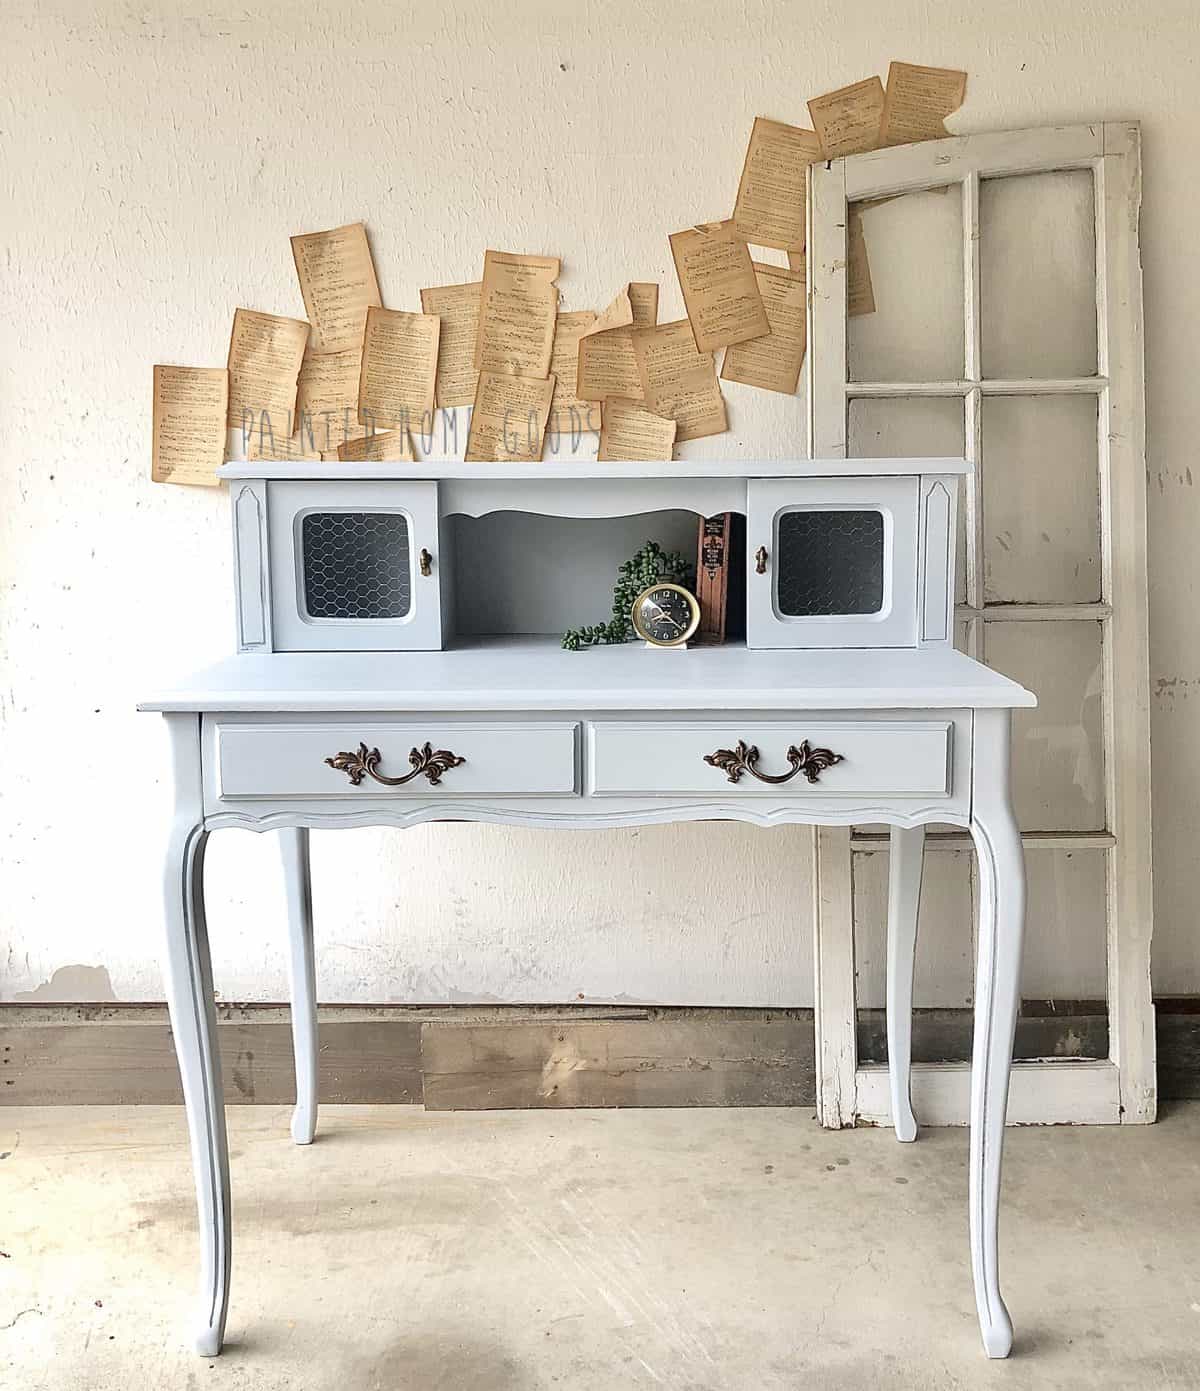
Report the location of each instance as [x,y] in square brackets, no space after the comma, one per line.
[346,566]
[832,562]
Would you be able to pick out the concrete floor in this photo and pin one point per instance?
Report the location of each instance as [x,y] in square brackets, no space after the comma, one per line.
[508,1251]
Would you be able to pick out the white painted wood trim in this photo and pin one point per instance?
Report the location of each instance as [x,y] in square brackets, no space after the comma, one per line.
[588,470]
[833,978]
[251,588]
[827,342]
[1059,1092]
[1122,441]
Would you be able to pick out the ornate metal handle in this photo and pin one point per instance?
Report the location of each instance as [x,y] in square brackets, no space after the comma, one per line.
[743,758]
[427,761]
[425,561]
[760,561]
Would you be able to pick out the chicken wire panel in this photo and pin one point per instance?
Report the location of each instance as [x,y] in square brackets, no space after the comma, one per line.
[356,565]
[829,563]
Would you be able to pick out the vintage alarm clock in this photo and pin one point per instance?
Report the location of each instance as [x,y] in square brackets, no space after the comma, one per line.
[666,615]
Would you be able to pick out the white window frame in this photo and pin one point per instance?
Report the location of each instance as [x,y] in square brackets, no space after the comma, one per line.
[1122,1088]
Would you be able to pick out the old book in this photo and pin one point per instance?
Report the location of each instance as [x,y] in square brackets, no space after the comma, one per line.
[721,577]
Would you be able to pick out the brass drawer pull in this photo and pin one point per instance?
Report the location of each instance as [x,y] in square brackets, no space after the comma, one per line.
[425,561]
[760,561]
[430,762]
[743,758]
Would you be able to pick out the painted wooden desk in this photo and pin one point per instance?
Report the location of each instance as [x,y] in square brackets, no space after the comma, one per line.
[516,730]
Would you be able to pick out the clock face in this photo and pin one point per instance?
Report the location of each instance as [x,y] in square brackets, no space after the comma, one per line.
[665,615]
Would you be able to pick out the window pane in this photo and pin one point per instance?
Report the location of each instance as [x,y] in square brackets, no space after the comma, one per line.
[1041,500]
[1037,253]
[1066,926]
[945,954]
[907,427]
[1058,755]
[914,248]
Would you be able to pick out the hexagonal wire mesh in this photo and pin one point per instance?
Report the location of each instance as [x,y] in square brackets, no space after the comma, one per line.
[356,565]
[829,562]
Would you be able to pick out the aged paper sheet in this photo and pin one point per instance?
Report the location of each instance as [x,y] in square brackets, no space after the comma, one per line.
[518,303]
[508,423]
[719,289]
[607,366]
[860,293]
[265,353]
[770,199]
[190,411]
[458,308]
[629,431]
[679,382]
[262,442]
[337,280]
[917,101]
[399,368]
[773,363]
[389,446]
[327,399]
[564,368]
[847,121]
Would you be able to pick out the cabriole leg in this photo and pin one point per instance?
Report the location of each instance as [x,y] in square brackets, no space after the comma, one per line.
[293,844]
[997,995]
[906,856]
[194,1026]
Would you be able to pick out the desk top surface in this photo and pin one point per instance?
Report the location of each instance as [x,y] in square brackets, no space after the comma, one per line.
[534,673]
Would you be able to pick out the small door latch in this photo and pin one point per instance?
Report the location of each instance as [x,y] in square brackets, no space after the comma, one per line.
[425,561]
[760,561]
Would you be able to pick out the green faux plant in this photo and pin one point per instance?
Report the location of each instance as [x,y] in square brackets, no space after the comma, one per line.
[650,565]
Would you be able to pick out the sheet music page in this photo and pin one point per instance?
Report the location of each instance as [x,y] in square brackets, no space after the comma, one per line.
[629,431]
[327,399]
[399,368]
[265,353]
[517,308]
[607,366]
[386,447]
[190,410]
[718,284]
[773,363]
[847,121]
[458,308]
[769,210]
[508,423]
[567,408]
[678,382]
[337,280]
[860,293]
[917,101]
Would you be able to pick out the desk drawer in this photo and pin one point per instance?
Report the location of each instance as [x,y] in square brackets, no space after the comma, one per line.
[748,757]
[369,756]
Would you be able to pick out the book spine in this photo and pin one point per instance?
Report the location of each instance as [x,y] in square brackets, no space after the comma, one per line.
[712,576]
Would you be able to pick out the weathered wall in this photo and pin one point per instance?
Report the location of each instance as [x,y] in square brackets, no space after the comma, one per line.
[155,160]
